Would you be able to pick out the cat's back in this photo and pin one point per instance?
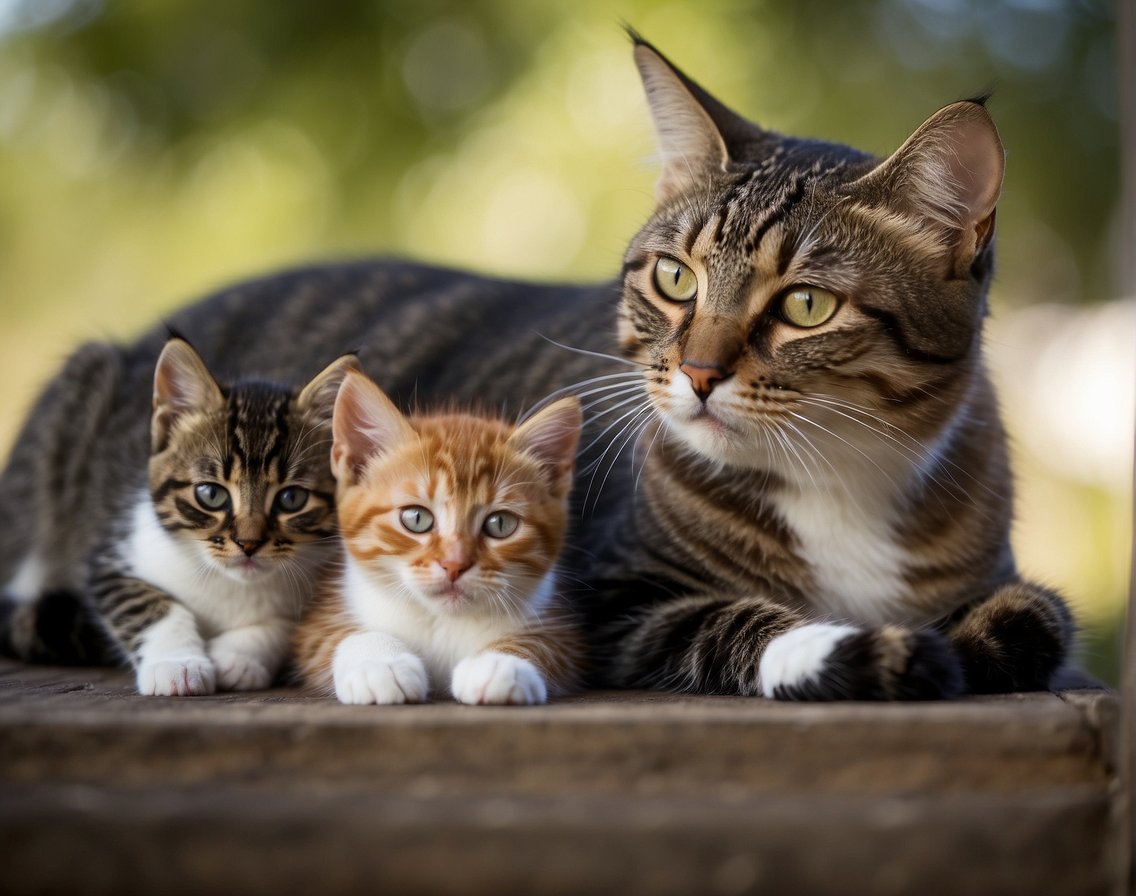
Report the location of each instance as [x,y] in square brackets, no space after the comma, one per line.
[423,332]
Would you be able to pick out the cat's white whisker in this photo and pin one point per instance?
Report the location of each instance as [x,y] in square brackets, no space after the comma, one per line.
[639,418]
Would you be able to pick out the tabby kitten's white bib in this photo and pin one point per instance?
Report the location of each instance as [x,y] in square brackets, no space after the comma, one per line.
[207,569]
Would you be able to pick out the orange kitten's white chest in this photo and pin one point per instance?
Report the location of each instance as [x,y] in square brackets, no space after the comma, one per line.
[440,638]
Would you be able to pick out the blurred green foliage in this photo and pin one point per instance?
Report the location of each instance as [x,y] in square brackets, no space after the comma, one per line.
[150,151]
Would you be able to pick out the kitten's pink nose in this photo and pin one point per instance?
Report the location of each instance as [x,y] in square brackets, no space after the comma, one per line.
[703,377]
[249,545]
[454,568]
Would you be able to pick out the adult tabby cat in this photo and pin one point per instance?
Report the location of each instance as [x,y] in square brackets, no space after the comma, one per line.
[799,486]
[452,525]
[197,562]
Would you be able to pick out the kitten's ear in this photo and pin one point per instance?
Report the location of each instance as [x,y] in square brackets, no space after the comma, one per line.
[690,142]
[552,435]
[949,174]
[365,424]
[182,384]
[317,399]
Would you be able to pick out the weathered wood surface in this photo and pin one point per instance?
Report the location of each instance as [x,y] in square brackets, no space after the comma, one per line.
[102,791]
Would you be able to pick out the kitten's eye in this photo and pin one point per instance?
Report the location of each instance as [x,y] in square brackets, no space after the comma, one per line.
[675,280]
[417,519]
[501,524]
[211,496]
[808,306]
[290,499]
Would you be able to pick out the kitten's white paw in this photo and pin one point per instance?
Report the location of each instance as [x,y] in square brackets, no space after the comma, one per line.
[239,671]
[493,677]
[799,655]
[191,676]
[362,680]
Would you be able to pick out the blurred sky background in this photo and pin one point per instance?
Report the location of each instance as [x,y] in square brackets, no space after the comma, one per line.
[152,151]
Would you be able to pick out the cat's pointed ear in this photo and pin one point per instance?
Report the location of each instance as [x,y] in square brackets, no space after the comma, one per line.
[948,175]
[697,134]
[182,385]
[552,436]
[365,424]
[690,144]
[317,399]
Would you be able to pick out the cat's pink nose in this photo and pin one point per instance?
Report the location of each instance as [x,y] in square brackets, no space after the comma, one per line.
[454,568]
[249,545]
[703,377]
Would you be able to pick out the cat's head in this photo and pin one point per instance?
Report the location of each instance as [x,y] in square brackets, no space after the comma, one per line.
[460,513]
[240,473]
[796,300]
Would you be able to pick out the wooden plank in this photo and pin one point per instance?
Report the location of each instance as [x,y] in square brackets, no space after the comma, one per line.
[84,728]
[80,841]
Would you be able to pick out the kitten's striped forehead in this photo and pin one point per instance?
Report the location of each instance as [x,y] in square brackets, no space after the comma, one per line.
[257,428]
[465,459]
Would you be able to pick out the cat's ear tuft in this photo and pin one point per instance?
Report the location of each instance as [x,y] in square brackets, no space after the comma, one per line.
[690,145]
[949,175]
[182,385]
[317,399]
[552,436]
[365,424]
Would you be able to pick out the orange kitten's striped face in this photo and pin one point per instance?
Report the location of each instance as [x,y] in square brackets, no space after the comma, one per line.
[460,513]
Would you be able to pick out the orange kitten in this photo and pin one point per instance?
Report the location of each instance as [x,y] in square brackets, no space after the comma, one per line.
[451,525]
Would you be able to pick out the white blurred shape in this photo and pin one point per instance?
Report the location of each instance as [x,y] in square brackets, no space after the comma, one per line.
[1067,378]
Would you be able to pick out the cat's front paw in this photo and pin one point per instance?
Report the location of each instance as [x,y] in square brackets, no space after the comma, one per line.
[240,672]
[398,679]
[495,678]
[822,661]
[192,676]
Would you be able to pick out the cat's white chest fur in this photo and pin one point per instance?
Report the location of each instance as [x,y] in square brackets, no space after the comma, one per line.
[440,640]
[847,538]
[218,602]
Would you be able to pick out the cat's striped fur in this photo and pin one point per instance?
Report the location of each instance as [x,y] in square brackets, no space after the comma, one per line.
[452,525]
[838,493]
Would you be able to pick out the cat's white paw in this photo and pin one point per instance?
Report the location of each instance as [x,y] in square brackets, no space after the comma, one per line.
[398,679]
[239,672]
[191,676]
[798,656]
[493,677]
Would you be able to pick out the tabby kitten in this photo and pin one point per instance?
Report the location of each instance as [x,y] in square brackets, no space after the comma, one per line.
[200,568]
[452,525]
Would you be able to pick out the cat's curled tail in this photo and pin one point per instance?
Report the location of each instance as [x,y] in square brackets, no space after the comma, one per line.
[41,501]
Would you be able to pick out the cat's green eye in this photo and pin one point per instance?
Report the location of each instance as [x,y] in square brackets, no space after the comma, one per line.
[675,280]
[212,496]
[291,499]
[808,306]
[501,524]
[417,519]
